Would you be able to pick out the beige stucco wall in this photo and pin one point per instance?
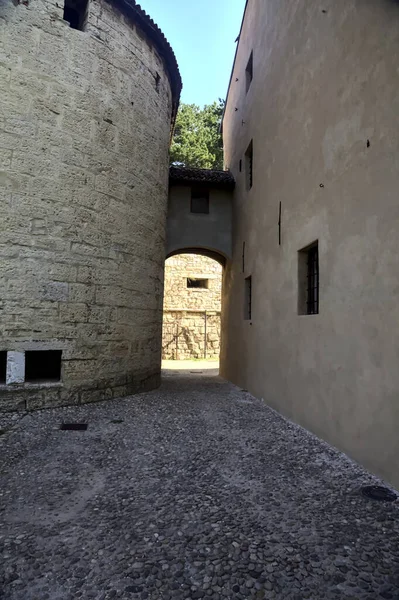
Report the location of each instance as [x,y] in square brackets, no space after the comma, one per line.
[206,231]
[184,334]
[84,137]
[326,80]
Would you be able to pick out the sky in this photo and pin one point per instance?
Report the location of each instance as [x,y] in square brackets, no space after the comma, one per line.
[202,34]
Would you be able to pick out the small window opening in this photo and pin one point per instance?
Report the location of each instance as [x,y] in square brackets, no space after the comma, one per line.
[198,283]
[248,299]
[249,71]
[75,12]
[200,201]
[249,158]
[157,82]
[3,366]
[308,280]
[240,165]
[42,366]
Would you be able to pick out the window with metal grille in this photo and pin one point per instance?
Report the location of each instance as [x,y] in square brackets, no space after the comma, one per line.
[3,366]
[198,283]
[248,299]
[42,365]
[200,201]
[75,12]
[308,280]
[249,72]
[249,157]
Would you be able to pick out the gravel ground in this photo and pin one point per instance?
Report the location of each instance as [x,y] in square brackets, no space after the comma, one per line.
[196,490]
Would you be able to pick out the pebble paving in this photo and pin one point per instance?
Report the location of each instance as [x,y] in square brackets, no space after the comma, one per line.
[195,490]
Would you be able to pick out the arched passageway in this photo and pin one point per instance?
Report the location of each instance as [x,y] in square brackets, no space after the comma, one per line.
[192,309]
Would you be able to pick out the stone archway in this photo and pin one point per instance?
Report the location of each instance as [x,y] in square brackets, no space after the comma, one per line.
[192,305]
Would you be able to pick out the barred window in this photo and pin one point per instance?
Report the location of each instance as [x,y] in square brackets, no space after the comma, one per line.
[248,299]
[249,156]
[308,280]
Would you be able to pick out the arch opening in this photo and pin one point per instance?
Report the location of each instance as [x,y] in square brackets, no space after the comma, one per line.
[192,308]
[208,252]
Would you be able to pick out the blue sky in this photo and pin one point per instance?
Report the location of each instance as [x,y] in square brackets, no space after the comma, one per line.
[202,34]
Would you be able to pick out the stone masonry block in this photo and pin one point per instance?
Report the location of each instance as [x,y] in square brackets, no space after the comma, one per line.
[15,367]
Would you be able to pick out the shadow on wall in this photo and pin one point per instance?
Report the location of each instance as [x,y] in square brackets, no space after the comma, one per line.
[200,338]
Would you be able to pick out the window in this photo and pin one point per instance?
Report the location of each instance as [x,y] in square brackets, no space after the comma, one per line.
[198,283]
[249,156]
[308,280]
[200,201]
[249,71]
[3,366]
[240,165]
[42,365]
[248,299]
[75,12]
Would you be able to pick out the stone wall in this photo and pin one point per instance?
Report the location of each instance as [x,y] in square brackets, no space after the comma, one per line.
[191,322]
[85,120]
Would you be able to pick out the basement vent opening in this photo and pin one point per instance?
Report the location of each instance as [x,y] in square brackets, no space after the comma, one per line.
[3,366]
[377,492]
[43,366]
[73,426]
[75,13]
[198,283]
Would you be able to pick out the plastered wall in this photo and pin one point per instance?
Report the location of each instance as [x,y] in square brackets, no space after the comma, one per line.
[323,113]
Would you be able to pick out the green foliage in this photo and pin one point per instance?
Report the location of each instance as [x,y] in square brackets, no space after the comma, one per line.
[197,141]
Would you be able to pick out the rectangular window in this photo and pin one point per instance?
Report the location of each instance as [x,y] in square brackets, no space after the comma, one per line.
[308,280]
[198,283]
[248,299]
[200,201]
[75,13]
[249,158]
[42,366]
[249,72]
[3,366]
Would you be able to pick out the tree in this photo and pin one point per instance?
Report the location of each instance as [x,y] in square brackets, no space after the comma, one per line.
[197,141]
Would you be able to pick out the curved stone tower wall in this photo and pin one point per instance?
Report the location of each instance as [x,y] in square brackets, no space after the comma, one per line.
[85,125]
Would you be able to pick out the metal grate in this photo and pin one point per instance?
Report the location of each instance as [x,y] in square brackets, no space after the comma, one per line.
[312,297]
[73,426]
[377,492]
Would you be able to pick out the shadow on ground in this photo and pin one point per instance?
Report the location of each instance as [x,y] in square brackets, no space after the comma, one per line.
[195,490]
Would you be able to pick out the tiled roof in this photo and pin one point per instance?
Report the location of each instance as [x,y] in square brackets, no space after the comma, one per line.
[136,14]
[182,175]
